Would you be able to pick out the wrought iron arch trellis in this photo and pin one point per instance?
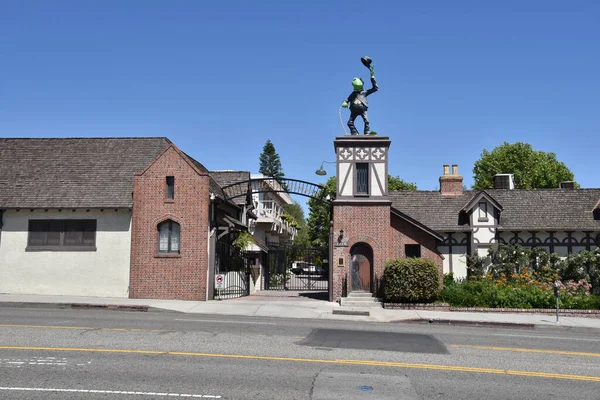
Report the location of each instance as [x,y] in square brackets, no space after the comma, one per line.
[284,185]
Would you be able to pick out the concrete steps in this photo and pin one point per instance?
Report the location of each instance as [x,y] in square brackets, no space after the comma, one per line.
[360,300]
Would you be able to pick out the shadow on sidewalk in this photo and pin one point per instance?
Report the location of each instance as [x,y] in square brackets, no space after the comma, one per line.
[286,295]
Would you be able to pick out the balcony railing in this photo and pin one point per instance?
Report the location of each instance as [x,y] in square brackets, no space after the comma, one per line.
[269,209]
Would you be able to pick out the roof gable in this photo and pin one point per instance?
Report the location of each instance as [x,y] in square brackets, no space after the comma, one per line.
[483,195]
[195,165]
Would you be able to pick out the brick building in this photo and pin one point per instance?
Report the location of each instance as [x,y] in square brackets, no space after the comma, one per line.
[372,225]
[117,217]
[138,217]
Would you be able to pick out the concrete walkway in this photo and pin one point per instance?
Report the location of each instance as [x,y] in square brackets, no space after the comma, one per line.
[298,305]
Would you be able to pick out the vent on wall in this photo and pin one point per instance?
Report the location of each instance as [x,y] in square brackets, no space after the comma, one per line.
[504,181]
[567,185]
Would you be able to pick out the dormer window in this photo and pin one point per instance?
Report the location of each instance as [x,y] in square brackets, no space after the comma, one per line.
[170,187]
[483,215]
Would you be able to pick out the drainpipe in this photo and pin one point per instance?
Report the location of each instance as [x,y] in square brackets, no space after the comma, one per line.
[1,223]
[210,271]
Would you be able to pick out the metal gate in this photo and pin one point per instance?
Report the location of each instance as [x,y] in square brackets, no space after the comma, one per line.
[291,267]
[233,265]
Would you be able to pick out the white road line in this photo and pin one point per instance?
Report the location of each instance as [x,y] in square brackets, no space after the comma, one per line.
[549,337]
[25,389]
[228,322]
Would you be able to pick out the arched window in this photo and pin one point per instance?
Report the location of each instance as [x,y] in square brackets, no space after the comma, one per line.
[168,237]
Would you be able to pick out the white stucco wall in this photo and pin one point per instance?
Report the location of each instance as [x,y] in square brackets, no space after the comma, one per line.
[459,260]
[104,272]
[377,176]
[346,183]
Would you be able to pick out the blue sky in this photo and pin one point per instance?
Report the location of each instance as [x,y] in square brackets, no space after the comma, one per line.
[220,78]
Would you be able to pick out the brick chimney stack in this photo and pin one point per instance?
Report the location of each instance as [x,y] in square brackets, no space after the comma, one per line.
[451,184]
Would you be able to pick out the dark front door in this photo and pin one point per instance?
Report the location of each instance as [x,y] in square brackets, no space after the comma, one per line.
[360,267]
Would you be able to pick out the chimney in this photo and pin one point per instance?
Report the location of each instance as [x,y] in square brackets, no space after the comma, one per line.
[451,184]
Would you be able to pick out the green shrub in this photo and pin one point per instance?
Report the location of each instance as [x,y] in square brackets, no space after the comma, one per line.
[579,302]
[411,280]
[449,279]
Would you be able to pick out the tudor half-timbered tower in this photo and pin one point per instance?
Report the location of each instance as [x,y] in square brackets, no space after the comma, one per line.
[361,213]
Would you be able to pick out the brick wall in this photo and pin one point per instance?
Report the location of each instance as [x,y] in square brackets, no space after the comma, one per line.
[181,276]
[367,223]
[385,233]
[404,233]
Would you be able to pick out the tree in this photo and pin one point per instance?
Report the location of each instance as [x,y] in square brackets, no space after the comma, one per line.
[532,169]
[270,164]
[319,213]
[319,216]
[295,210]
[395,183]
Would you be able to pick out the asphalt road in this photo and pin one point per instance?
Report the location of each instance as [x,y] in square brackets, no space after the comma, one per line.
[52,353]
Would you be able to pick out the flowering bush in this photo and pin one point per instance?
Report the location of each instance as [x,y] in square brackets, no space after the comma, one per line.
[510,259]
[524,289]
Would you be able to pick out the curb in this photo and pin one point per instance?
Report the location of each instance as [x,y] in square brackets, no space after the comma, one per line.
[455,322]
[352,312]
[514,325]
[111,307]
[81,306]
[447,308]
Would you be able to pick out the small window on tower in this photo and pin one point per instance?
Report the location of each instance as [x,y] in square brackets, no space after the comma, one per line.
[362,178]
[170,187]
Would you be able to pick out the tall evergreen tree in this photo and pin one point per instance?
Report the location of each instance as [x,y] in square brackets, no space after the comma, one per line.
[270,164]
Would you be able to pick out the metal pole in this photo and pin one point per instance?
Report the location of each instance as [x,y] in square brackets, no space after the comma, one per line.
[557,295]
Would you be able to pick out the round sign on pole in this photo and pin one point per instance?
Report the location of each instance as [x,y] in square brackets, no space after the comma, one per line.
[219,279]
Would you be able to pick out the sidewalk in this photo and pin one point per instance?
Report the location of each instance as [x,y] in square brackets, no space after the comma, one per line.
[290,307]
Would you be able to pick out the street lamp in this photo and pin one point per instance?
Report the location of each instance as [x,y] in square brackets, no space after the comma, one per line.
[321,171]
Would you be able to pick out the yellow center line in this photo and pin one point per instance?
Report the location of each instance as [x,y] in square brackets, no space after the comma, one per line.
[523,350]
[309,360]
[79,327]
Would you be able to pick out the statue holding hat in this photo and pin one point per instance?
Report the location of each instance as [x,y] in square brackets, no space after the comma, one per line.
[357,100]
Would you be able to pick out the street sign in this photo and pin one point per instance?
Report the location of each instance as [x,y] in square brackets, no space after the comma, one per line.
[219,280]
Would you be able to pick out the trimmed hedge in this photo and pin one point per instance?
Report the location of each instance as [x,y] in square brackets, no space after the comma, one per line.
[409,280]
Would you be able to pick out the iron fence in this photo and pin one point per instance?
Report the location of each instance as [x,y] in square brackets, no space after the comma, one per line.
[290,267]
[233,264]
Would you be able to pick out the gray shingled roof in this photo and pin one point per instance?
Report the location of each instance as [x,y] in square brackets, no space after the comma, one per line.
[559,209]
[73,172]
[224,178]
